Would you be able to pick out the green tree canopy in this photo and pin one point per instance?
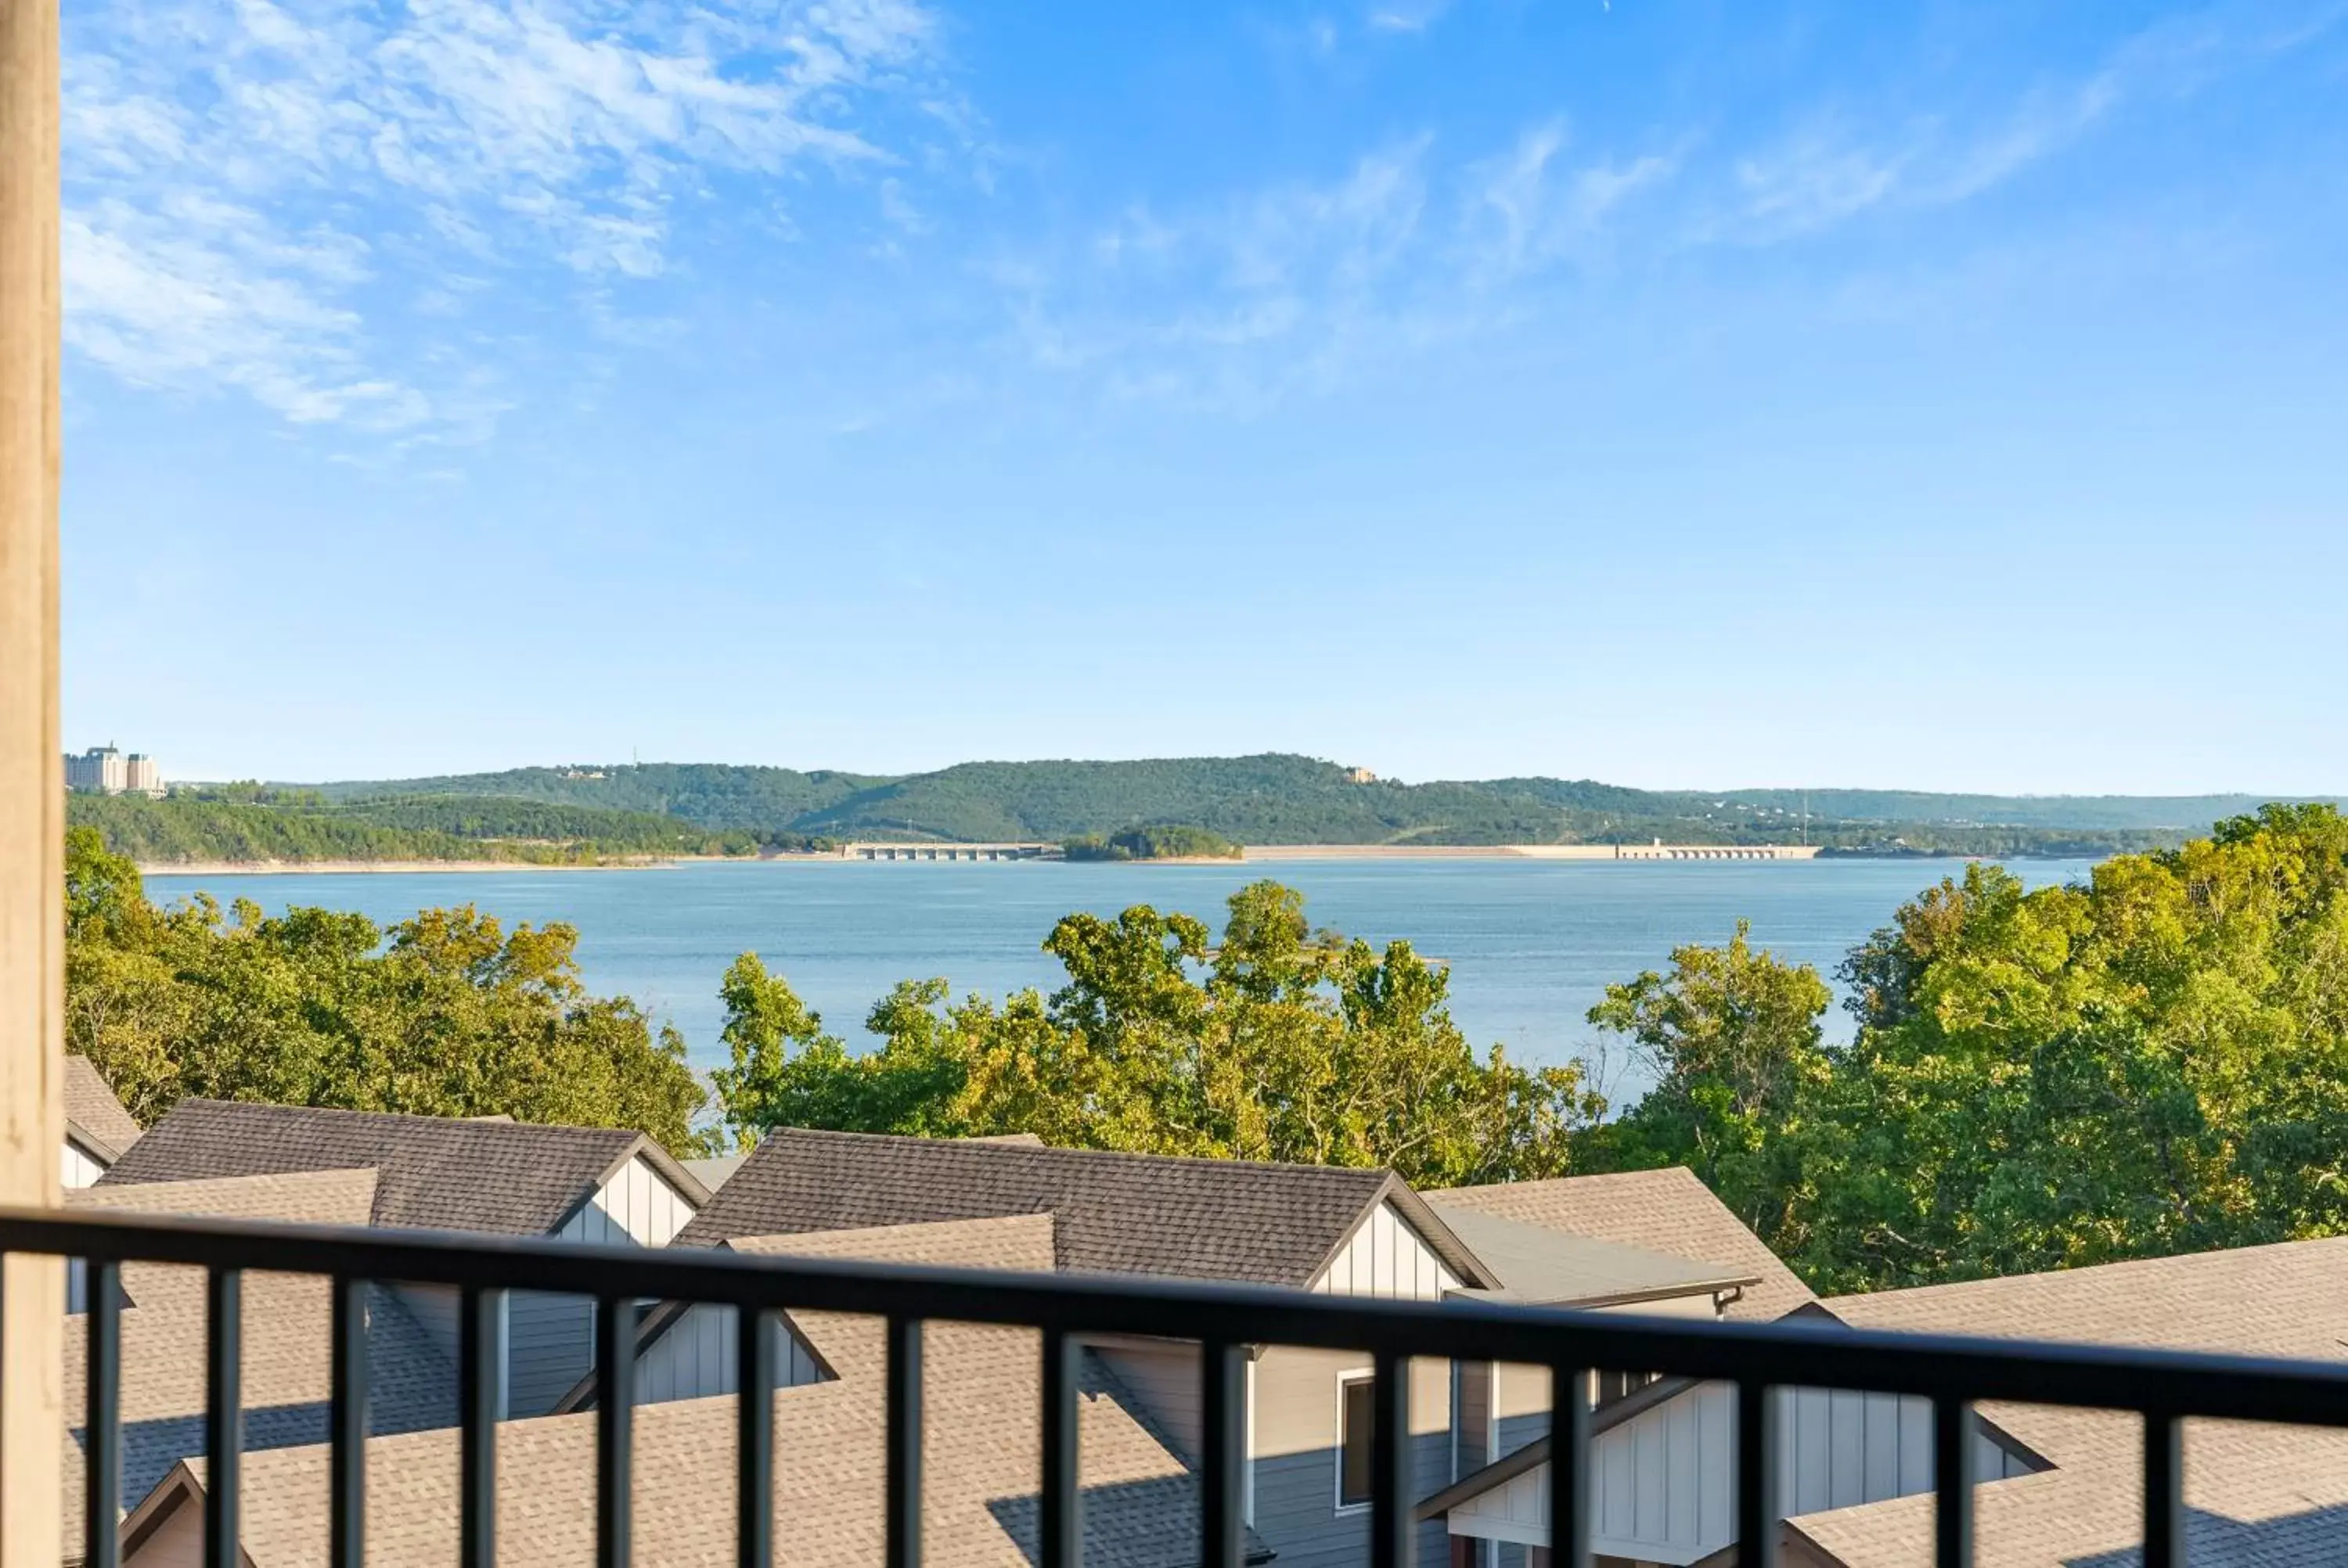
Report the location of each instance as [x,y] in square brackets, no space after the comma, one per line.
[1281,1044]
[446,1014]
[1734,1041]
[2154,1062]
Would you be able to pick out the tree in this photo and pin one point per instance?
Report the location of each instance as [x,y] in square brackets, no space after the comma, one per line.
[2153,1062]
[1281,1044]
[1733,1041]
[446,1014]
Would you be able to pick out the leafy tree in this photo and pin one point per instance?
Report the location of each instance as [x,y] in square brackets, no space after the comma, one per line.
[446,1014]
[1733,1041]
[1281,1044]
[2153,1062]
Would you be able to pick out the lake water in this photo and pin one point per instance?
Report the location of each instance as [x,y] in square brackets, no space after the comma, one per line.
[1530,944]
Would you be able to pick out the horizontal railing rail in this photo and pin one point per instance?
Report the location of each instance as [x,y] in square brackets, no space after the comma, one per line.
[1955,1373]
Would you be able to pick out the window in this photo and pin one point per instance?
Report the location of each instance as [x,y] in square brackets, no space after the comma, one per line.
[1356,1416]
[1613,1386]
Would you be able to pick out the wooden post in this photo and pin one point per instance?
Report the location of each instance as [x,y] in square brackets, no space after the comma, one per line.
[32,787]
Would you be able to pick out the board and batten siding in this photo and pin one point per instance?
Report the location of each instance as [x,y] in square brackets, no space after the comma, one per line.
[1384,1256]
[698,1356]
[551,1339]
[80,1167]
[1662,1483]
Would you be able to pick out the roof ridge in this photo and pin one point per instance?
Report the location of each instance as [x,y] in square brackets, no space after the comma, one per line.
[424,1118]
[1374,1174]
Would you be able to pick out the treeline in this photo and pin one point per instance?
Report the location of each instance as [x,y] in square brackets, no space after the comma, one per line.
[1153,844]
[1282,799]
[255,823]
[448,1014]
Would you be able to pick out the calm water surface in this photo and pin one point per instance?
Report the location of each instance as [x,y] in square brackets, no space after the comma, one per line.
[1530,944]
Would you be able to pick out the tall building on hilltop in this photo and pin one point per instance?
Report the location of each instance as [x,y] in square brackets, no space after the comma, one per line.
[102,770]
[144,775]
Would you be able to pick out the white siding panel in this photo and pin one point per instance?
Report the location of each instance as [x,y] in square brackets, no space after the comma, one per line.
[1384,1256]
[1715,1458]
[1651,1466]
[637,1204]
[80,1167]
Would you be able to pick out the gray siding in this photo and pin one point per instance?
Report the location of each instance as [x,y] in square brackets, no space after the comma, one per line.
[549,1346]
[1296,1507]
[1516,1431]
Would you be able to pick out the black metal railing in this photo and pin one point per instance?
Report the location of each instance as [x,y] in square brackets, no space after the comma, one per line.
[2164,1388]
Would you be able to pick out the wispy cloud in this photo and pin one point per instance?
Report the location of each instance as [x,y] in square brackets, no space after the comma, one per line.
[242,173]
[1303,286]
[1840,164]
[1406,15]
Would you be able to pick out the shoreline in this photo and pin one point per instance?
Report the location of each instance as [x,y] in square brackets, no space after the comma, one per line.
[1260,854]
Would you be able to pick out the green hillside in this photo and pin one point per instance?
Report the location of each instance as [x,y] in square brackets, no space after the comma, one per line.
[713,795]
[1284,799]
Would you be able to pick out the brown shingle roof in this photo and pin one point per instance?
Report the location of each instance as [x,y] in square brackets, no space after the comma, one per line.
[286,1366]
[1667,1211]
[1117,1212]
[92,1111]
[981,1460]
[2260,1496]
[432,1171]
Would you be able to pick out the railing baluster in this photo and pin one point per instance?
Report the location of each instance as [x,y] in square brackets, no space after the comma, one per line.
[753,1440]
[1063,1526]
[347,1429]
[1390,1525]
[481,1370]
[1568,1467]
[904,1438]
[1222,1482]
[101,1446]
[615,1427]
[1952,1480]
[223,1417]
[1756,1545]
[2164,1491]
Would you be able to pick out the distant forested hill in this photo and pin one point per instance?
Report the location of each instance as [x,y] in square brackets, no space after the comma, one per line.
[1283,799]
[713,795]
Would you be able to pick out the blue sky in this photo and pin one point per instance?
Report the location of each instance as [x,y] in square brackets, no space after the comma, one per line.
[1939,395]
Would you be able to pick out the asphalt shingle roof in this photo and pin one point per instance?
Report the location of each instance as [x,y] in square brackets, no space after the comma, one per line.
[1541,1265]
[91,1106]
[1115,1213]
[980,1393]
[1667,1211]
[432,1173]
[2259,1496]
[285,1368]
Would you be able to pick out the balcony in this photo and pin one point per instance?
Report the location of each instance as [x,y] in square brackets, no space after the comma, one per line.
[1049,1523]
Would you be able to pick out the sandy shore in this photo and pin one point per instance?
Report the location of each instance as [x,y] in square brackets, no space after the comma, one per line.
[1629,852]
